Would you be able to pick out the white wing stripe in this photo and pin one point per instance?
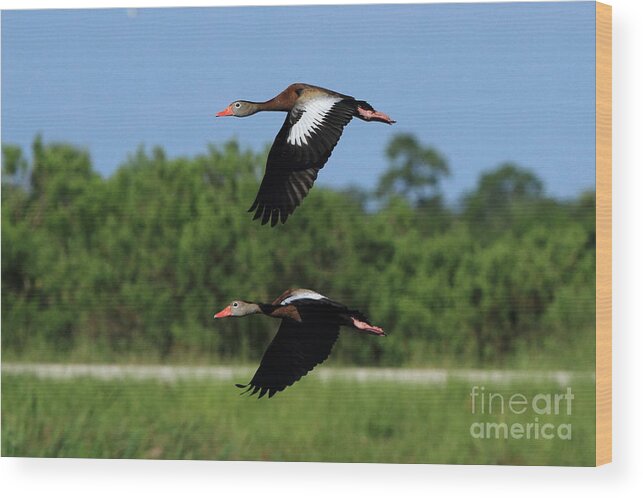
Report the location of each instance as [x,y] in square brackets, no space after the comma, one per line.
[313,116]
[305,294]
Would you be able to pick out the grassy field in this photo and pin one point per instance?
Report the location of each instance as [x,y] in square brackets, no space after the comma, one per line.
[336,420]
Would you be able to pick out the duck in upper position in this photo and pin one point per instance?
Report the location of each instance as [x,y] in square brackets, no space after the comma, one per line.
[309,328]
[315,121]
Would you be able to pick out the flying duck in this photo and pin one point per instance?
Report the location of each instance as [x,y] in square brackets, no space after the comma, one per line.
[315,121]
[309,327]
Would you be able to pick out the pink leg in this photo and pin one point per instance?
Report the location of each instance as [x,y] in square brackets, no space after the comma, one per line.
[358,324]
[374,116]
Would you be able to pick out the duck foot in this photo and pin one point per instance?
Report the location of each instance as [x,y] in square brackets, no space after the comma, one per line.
[367,327]
[374,116]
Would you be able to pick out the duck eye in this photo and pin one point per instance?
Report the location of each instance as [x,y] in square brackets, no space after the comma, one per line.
[235,305]
[237,104]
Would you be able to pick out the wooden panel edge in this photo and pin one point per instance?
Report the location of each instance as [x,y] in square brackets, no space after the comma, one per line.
[603,233]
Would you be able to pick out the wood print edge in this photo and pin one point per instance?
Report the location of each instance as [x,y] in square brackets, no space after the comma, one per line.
[603,233]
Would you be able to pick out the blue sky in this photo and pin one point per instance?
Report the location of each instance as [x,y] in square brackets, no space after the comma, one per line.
[483,83]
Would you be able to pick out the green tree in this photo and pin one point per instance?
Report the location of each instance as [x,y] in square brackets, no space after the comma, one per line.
[501,199]
[136,263]
[414,172]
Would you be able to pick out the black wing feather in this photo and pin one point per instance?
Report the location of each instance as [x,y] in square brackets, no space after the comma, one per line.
[295,350]
[291,170]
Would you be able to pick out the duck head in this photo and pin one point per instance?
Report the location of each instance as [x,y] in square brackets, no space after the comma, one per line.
[238,308]
[240,109]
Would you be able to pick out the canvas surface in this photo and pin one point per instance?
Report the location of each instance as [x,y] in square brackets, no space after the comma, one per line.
[427,293]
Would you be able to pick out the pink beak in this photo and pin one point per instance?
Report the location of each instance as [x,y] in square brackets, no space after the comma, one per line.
[226,112]
[227,311]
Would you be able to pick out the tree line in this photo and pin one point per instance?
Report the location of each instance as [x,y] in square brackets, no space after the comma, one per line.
[135,264]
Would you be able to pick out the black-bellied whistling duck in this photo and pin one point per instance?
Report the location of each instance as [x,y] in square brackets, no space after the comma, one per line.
[315,121]
[309,327]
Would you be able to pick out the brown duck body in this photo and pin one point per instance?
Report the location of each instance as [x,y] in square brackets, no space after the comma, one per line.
[310,325]
[315,121]
[297,93]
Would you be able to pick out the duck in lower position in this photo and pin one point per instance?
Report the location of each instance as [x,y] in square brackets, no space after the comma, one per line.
[315,121]
[309,327]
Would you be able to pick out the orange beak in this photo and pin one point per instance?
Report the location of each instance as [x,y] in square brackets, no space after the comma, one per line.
[226,112]
[227,311]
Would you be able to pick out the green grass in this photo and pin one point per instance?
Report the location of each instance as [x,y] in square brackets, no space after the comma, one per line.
[337,421]
[573,354]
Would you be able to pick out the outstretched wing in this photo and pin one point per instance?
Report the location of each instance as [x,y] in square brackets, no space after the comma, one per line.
[293,295]
[296,350]
[302,147]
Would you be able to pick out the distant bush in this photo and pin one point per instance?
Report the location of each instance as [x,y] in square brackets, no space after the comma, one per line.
[136,263]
